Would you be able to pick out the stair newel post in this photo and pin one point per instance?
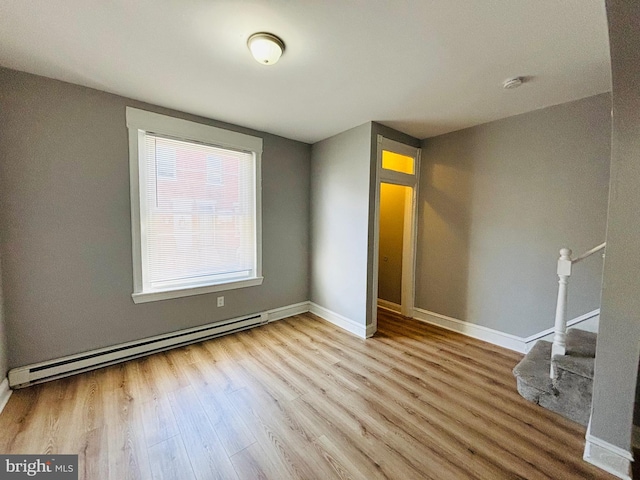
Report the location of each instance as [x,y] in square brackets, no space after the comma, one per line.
[560,330]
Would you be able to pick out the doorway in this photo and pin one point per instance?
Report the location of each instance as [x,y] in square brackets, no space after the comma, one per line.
[395,227]
[394,199]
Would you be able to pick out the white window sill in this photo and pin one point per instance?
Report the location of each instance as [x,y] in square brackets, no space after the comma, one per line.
[155,295]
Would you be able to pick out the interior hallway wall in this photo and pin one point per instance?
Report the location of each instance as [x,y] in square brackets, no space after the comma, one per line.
[499,200]
[618,346]
[340,190]
[4,355]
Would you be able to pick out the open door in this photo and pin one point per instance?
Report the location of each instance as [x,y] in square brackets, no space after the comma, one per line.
[397,186]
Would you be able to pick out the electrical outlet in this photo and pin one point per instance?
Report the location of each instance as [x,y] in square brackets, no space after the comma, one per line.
[221,301]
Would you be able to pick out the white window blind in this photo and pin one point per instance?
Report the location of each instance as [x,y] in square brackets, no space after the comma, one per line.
[197,231]
[195,207]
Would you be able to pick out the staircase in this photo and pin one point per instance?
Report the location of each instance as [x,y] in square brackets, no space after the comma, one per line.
[569,393]
[559,375]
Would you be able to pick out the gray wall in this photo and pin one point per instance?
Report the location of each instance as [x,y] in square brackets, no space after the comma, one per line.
[340,189]
[618,341]
[498,201]
[65,231]
[4,355]
[636,409]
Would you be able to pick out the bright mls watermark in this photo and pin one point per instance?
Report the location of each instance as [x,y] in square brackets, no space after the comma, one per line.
[51,467]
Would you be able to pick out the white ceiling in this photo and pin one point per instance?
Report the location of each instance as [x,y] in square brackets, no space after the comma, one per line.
[424,67]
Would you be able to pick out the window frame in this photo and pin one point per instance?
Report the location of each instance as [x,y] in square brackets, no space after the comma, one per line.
[139,122]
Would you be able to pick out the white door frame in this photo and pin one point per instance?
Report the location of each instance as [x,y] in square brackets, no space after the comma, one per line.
[410,224]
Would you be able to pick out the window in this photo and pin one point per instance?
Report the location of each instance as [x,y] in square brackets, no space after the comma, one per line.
[165,161]
[214,170]
[397,162]
[195,207]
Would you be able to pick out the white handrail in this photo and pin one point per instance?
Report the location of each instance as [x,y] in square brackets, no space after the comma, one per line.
[588,253]
[565,262]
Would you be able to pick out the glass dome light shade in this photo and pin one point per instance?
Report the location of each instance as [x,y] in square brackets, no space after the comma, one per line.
[265,48]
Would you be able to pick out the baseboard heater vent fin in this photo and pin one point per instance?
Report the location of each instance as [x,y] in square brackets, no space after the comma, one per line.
[73,364]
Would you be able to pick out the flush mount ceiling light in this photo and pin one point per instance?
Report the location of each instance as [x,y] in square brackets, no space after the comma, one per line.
[266,48]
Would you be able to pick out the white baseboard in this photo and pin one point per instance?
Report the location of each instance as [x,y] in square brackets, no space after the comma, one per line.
[339,320]
[387,305]
[5,393]
[502,339]
[608,457]
[496,337]
[371,329]
[288,311]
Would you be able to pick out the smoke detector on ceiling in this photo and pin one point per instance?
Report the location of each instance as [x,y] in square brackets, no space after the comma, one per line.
[514,82]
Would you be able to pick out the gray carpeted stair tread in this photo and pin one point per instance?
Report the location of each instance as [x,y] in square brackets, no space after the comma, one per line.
[582,366]
[581,343]
[533,369]
[573,400]
[570,393]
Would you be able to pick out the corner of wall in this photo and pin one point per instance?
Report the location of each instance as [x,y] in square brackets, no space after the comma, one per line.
[608,457]
[341,321]
[5,393]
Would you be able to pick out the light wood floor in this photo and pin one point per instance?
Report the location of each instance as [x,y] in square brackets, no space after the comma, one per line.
[300,398]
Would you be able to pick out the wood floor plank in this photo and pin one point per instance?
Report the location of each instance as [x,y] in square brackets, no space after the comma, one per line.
[186,354]
[358,427]
[403,413]
[228,375]
[255,463]
[198,352]
[404,328]
[421,379]
[284,437]
[309,371]
[347,462]
[45,430]
[232,431]
[93,453]
[252,405]
[158,420]
[204,449]
[303,399]
[422,370]
[169,460]
[16,416]
[167,373]
[81,414]
[140,380]
[281,383]
[282,336]
[126,446]
[254,414]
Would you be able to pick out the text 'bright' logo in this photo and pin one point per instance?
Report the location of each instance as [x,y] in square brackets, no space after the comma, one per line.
[51,467]
[30,468]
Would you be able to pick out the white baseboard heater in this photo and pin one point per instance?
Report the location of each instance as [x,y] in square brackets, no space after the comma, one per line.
[102,357]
